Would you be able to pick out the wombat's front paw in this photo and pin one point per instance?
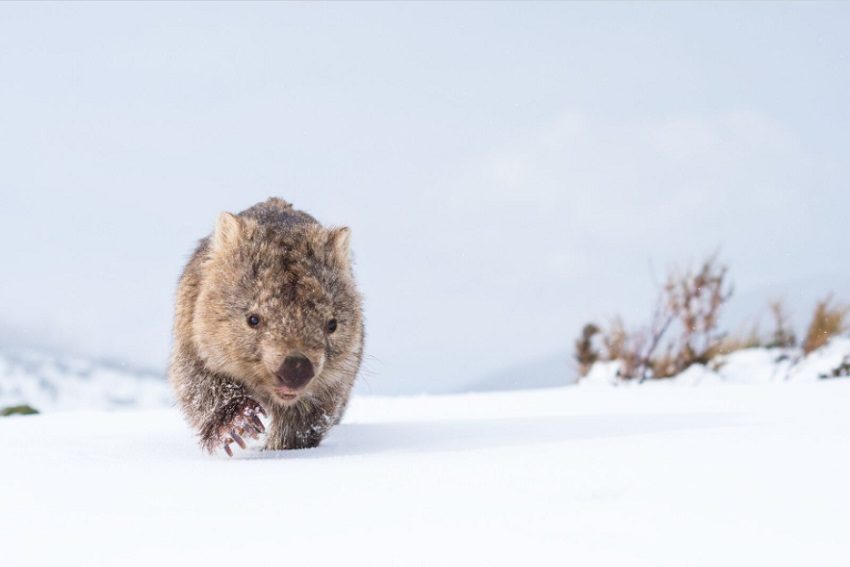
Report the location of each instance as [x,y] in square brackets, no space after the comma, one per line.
[237,419]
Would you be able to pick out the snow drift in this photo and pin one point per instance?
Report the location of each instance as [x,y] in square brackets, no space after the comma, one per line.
[747,366]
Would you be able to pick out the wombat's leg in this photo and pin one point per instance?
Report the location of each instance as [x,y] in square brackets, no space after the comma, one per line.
[237,419]
[297,427]
[219,408]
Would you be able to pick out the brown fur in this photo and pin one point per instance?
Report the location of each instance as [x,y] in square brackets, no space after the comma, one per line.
[281,264]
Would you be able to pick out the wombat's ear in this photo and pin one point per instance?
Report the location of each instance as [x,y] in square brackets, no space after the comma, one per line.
[228,230]
[339,242]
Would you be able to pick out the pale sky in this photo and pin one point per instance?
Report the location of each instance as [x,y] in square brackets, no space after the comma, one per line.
[508,170]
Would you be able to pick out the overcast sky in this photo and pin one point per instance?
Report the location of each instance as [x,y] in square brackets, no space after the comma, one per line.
[508,170]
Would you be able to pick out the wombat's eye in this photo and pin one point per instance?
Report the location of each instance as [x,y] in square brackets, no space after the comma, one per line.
[253,320]
[331,326]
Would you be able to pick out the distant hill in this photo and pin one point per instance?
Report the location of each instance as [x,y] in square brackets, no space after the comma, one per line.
[52,381]
[552,371]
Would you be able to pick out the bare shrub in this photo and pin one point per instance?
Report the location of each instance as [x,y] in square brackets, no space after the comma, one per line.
[586,353]
[828,320]
[684,329]
[695,299]
[732,343]
[614,339]
[689,303]
[783,335]
[646,363]
[624,346]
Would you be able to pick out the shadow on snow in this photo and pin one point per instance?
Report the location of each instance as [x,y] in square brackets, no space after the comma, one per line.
[355,439]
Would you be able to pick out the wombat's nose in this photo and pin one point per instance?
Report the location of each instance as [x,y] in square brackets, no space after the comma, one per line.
[295,371]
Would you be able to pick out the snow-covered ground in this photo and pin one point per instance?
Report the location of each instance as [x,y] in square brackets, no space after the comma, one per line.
[747,366]
[722,474]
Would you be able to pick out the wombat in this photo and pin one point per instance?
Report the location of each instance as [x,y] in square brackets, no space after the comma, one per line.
[268,322]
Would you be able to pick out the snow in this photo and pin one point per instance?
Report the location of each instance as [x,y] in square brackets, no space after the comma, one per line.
[51,381]
[733,474]
[747,366]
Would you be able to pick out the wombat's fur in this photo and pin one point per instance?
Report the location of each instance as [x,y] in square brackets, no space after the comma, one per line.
[268,320]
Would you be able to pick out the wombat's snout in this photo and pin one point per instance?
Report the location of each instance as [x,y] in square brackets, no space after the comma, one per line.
[295,371]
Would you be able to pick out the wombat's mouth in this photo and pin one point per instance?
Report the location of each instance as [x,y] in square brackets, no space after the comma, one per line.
[286,394]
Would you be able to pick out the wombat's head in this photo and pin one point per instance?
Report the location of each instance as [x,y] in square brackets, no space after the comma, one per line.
[277,307]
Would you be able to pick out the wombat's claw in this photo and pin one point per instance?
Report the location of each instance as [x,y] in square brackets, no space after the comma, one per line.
[241,427]
[258,424]
[244,422]
[238,439]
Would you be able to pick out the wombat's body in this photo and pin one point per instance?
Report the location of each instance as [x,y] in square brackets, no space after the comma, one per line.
[268,321]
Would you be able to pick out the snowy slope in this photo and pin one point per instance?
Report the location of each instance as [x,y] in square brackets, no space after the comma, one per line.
[745,366]
[748,366]
[716,475]
[50,381]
